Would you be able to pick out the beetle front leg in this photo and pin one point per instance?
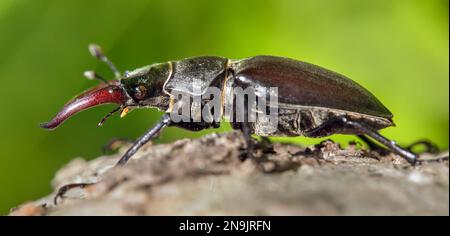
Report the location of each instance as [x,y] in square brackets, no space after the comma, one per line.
[373,145]
[164,122]
[63,190]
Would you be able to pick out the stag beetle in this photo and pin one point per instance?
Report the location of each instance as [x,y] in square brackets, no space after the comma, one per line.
[313,101]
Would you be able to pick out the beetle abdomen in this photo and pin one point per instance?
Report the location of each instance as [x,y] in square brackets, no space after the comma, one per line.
[305,84]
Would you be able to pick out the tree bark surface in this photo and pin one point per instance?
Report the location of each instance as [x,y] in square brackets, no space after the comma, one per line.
[205,176]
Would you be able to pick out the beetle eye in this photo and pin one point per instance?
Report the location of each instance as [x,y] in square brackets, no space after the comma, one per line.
[140,92]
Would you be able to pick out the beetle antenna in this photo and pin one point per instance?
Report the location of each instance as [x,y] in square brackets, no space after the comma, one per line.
[96,51]
[107,116]
[91,75]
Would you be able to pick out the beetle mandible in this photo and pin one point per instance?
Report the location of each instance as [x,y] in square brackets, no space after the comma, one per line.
[313,101]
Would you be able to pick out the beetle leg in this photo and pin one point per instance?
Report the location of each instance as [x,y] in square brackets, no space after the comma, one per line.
[265,145]
[361,128]
[248,141]
[390,144]
[373,145]
[409,156]
[245,128]
[429,146]
[165,121]
[62,190]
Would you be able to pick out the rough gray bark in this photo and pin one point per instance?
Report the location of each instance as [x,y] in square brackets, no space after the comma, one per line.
[205,177]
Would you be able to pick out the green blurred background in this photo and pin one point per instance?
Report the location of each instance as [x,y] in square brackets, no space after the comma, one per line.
[396,49]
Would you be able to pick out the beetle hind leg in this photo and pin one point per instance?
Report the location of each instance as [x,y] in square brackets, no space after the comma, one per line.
[390,144]
[429,146]
[339,123]
[407,154]
[373,145]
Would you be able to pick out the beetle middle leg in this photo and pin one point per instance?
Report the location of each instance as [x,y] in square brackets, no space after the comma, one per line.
[246,131]
[429,146]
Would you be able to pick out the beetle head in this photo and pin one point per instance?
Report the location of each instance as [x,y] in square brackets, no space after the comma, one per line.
[145,85]
[130,92]
[141,87]
[141,90]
